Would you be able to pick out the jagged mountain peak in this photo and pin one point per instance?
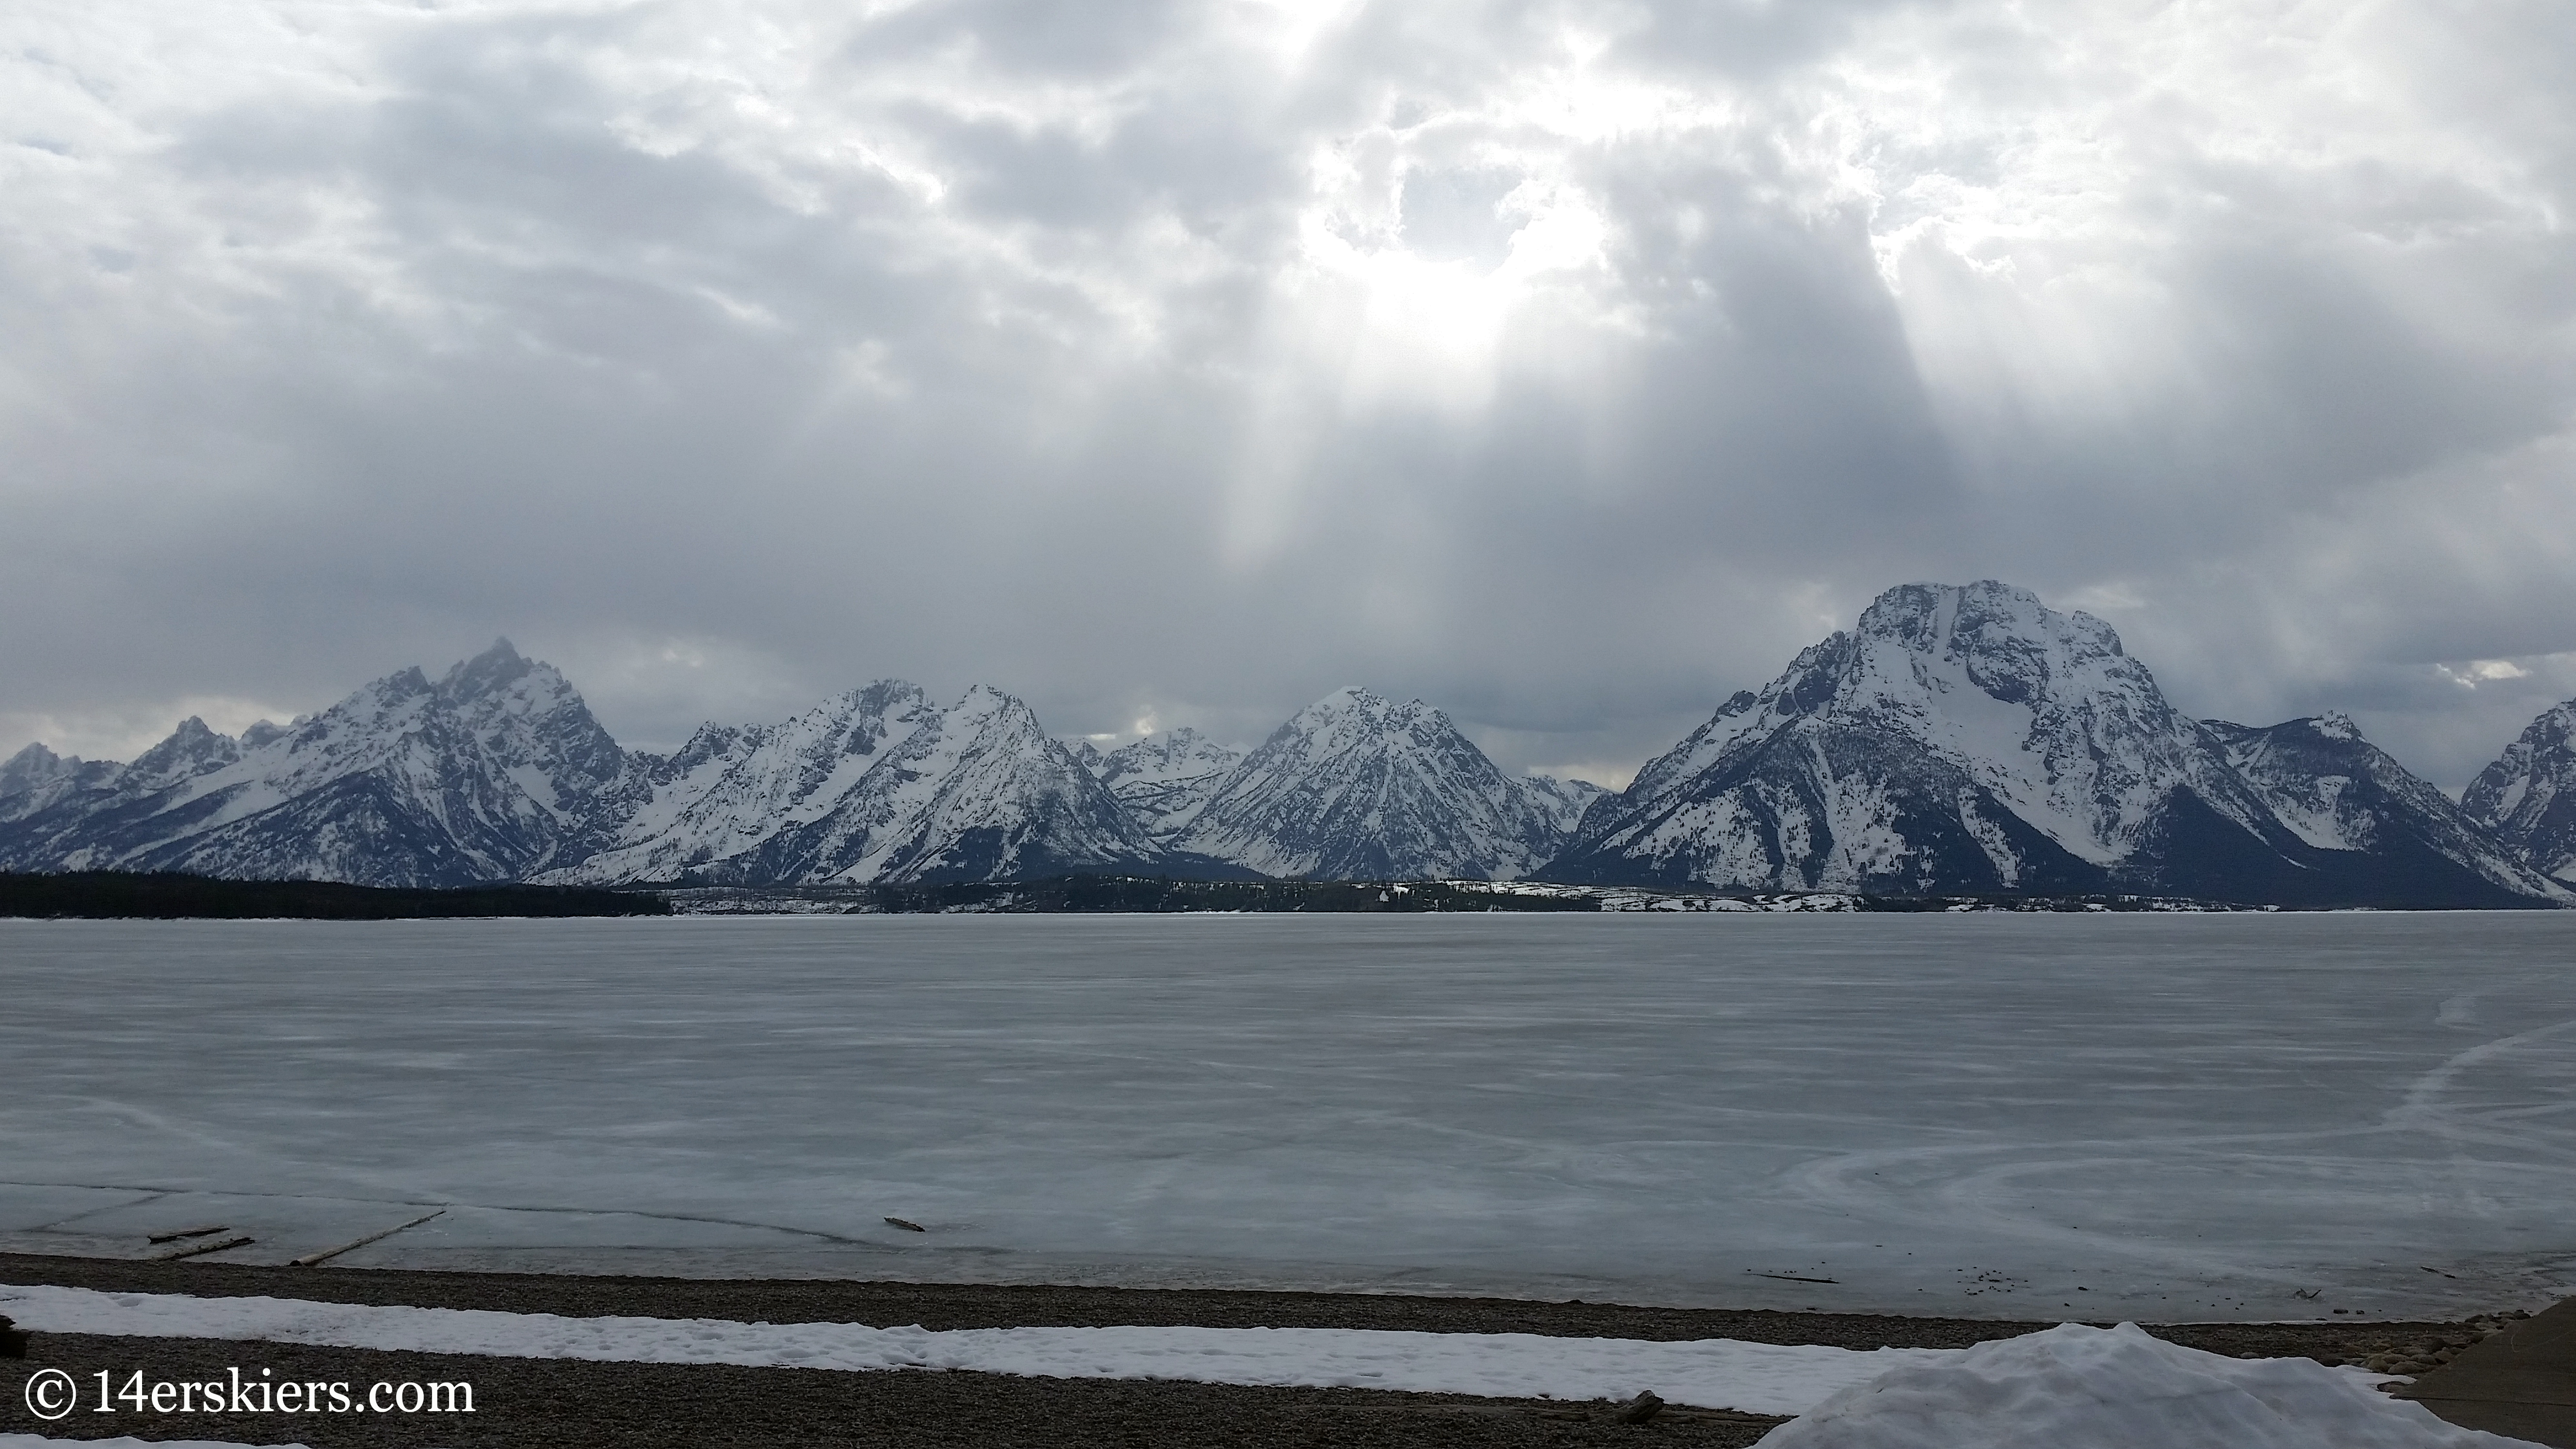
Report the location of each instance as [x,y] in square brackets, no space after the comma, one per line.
[32,768]
[1160,753]
[2043,711]
[34,762]
[1985,615]
[876,784]
[192,748]
[1356,787]
[1165,778]
[494,668]
[502,681]
[2528,795]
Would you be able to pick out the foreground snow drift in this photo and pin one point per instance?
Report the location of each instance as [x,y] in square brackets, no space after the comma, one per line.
[1757,1378]
[2073,1387]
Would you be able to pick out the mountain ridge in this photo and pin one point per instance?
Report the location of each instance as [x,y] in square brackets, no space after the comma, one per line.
[1958,740]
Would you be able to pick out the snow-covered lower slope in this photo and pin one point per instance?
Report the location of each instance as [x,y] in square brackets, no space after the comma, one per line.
[2528,796]
[877,785]
[1969,739]
[1165,779]
[495,771]
[1357,788]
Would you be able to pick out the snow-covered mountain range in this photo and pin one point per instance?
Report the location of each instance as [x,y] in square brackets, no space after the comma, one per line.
[1958,740]
[1971,740]
[879,784]
[494,772]
[499,772]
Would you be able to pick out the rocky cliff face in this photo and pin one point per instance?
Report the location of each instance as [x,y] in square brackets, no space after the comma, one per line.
[2528,796]
[1971,740]
[1355,787]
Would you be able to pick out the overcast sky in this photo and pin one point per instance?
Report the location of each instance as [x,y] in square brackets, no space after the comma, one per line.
[1569,366]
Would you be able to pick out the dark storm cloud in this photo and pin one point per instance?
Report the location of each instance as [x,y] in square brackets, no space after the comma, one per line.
[1568,366]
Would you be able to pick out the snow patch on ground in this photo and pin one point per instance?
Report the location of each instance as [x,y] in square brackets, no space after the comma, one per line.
[2074,1387]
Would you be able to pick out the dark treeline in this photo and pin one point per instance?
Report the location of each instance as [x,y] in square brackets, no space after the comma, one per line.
[1152,894]
[165,896]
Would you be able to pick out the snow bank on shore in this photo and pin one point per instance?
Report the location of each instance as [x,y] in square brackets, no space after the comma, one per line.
[2069,1387]
[2073,1387]
[1757,1378]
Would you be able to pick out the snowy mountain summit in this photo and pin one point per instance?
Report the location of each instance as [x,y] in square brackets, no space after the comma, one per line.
[1969,739]
[1354,787]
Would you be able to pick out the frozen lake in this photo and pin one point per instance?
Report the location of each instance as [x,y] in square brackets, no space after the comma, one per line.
[2096,1116]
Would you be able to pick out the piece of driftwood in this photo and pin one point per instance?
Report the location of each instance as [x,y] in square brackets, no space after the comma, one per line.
[175,1234]
[1639,1409]
[1792,1277]
[13,1339]
[909,1227]
[199,1249]
[327,1254]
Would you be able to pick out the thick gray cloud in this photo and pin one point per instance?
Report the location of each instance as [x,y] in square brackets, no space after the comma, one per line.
[1567,365]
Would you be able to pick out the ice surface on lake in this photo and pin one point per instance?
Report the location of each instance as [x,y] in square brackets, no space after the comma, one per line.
[2157,1117]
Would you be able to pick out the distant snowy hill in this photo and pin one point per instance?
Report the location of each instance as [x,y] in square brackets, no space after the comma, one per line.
[1357,788]
[1165,779]
[2528,796]
[1971,740]
[494,772]
[877,785]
